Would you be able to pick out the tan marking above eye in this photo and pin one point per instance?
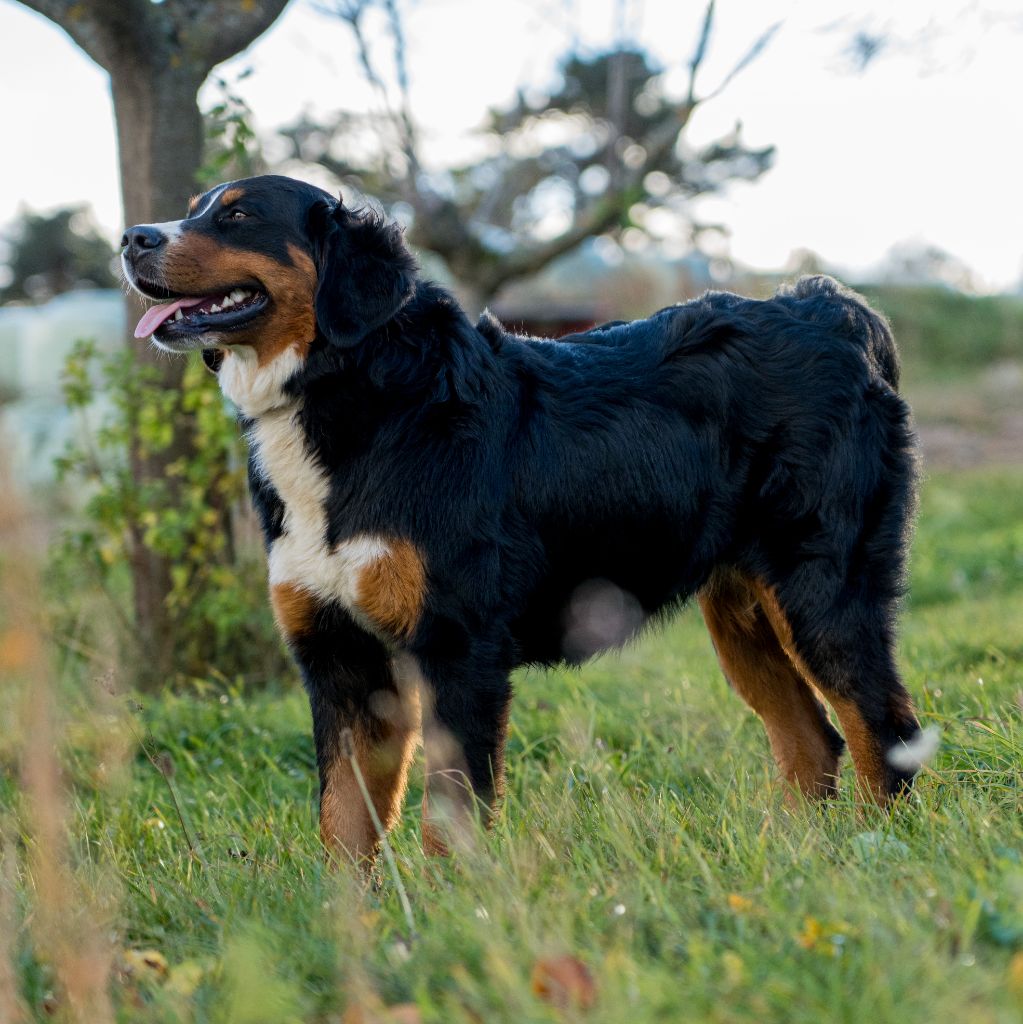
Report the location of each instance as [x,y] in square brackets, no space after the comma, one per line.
[392,589]
[232,195]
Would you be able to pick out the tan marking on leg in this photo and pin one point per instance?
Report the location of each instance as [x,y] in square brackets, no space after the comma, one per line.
[392,589]
[294,609]
[762,674]
[867,755]
[346,827]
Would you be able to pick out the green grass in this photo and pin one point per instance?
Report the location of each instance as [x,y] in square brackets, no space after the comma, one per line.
[644,833]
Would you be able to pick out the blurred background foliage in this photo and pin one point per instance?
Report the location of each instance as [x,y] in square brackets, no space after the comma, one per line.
[216,602]
[45,255]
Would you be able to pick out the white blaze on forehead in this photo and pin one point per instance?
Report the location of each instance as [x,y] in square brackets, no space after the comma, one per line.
[211,197]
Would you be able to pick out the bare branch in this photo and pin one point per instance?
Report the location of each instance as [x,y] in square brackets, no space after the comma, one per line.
[604,215]
[529,261]
[758,47]
[409,142]
[617,104]
[700,52]
[352,13]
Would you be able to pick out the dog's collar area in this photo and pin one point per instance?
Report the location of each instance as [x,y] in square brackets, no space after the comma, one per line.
[213,358]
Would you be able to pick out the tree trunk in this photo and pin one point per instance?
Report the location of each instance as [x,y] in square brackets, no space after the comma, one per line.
[160,142]
[158,53]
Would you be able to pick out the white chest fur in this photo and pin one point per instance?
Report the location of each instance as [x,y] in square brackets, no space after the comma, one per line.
[301,556]
[256,388]
[380,580]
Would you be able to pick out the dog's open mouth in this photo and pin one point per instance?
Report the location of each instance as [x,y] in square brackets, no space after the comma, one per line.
[184,318]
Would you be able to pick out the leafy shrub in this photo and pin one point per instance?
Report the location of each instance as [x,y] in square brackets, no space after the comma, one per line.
[217,606]
[946,329]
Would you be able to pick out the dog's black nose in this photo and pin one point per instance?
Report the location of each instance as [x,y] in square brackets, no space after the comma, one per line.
[142,237]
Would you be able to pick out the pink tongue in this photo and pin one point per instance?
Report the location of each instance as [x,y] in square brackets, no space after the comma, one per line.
[152,318]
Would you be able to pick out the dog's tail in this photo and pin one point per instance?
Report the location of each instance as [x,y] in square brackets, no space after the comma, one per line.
[861,324]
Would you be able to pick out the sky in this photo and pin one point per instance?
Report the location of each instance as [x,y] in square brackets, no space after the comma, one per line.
[924,146]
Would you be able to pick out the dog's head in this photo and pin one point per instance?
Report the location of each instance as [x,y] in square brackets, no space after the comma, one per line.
[268,263]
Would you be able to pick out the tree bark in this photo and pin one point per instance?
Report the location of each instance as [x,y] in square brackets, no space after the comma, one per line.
[158,55]
[160,141]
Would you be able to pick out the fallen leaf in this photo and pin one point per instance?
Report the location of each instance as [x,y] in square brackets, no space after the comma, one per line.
[145,963]
[811,933]
[1014,976]
[185,978]
[564,981]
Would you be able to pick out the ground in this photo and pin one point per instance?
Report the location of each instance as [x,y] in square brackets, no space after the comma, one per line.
[971,419]
[644,836]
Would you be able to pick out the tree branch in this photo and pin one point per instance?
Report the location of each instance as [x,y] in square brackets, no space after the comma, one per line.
[700,52]
[758,47]
[351,12]
[408,130]
[604,214]
[102,28]
[215,31]
[529,261]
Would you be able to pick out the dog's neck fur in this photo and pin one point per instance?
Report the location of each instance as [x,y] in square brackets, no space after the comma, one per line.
[431,346]
[254,389]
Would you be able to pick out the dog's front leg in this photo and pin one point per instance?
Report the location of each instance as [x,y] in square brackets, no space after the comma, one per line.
[465,723]
[368,735]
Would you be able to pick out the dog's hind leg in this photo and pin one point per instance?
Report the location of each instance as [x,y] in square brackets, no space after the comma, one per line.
[844,646]
[803,741]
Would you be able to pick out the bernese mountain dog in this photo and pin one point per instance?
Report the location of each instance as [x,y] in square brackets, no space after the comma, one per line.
[443,501]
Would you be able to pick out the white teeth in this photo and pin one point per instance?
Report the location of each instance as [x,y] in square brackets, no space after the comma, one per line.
[238,294]
[214,308]
[229,300]
[178,315]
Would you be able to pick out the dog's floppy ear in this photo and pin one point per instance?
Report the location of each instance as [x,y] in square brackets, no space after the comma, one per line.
[366,273]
